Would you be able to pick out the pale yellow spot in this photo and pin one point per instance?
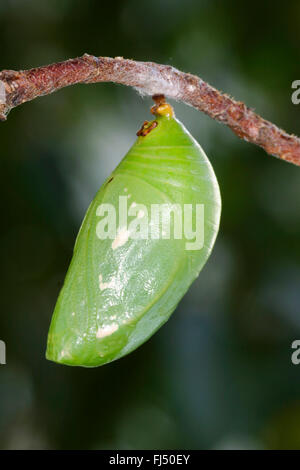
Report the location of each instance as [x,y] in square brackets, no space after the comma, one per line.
[107,330]
[65,354]
[121,238]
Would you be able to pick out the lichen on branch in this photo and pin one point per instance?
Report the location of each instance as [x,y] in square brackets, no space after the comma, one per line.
[149,78]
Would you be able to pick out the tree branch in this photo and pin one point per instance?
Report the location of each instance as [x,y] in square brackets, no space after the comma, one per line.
[150,79]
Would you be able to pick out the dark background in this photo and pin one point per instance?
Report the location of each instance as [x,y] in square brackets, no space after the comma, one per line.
[219,373]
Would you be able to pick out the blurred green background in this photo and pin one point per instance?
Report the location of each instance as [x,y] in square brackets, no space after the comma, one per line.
[219,373]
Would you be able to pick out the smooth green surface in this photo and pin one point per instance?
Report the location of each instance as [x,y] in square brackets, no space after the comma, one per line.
[117,294]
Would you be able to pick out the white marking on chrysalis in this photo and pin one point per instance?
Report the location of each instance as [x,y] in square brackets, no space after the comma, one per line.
[127,319]
[107,330]
[106,285]
[63,354]
[121,238]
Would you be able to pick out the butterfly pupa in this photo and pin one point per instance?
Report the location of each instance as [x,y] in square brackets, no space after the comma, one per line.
[144,239]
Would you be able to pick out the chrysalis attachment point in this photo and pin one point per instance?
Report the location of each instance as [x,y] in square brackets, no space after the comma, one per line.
[161,108]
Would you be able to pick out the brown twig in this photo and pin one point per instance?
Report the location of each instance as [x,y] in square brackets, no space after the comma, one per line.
[150,79]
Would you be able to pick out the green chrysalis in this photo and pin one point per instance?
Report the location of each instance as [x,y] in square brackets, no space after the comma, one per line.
[144,239]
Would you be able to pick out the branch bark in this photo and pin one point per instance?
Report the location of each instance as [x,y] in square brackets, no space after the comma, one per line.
[17,87]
